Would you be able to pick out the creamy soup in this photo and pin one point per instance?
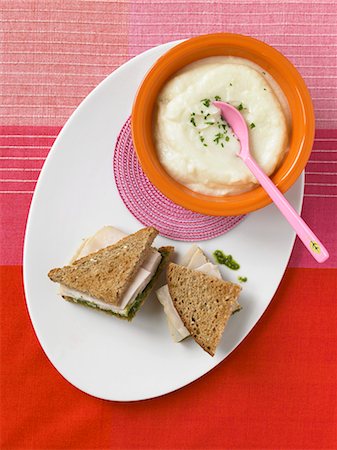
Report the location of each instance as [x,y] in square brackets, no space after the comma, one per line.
[197,147]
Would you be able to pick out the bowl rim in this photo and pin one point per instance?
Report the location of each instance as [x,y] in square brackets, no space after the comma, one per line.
[293,87]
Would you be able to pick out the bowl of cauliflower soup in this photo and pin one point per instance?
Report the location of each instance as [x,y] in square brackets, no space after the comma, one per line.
[189,152]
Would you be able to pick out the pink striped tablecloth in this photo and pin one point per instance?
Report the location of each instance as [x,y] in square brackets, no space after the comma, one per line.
[53,53]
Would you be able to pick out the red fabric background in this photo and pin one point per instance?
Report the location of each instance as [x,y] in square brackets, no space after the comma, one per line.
[277,390]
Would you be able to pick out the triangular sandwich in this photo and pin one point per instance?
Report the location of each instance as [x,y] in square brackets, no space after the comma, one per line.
[204,303]
[193,259]
[117,277]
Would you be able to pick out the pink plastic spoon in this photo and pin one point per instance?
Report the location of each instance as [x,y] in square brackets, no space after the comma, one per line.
[236,121]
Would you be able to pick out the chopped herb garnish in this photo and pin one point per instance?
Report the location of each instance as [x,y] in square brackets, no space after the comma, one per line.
[222,144]
[230,84]
[264,89]
[217,97]
[202,112]
[252,125]
[218,137]
[202,139]
[224,127]
[242,279]
[240,107]
[206,116]
[209,123]
[227,138]
[206,102]
[264,73]
[192,120]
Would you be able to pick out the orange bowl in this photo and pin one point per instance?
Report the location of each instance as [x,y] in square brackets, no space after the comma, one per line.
[223,44]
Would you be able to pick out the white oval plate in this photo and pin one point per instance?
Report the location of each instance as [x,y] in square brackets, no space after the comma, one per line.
[75,196]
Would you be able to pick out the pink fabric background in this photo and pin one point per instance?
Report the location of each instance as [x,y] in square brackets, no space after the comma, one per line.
[53,53]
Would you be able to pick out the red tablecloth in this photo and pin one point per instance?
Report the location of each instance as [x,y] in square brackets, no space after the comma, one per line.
[278,389]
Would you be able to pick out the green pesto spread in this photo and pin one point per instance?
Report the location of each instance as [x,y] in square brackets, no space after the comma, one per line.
[226,260]
[243,279]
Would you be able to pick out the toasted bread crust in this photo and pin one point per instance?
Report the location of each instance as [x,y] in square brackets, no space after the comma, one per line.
[107,273]
[204,303]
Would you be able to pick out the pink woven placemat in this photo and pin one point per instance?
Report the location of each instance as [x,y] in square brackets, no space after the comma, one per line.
[152,208]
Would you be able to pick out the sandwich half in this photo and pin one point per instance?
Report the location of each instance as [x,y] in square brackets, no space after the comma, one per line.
[203,302]
[193,259]
[113,272]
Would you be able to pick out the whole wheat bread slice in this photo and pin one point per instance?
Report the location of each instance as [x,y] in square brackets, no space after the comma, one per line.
[204,303]
[106,274]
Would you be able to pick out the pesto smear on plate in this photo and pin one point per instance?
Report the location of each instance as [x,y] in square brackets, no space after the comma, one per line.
[226,260]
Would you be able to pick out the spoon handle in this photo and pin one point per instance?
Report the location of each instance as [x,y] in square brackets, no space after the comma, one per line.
[309,239]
